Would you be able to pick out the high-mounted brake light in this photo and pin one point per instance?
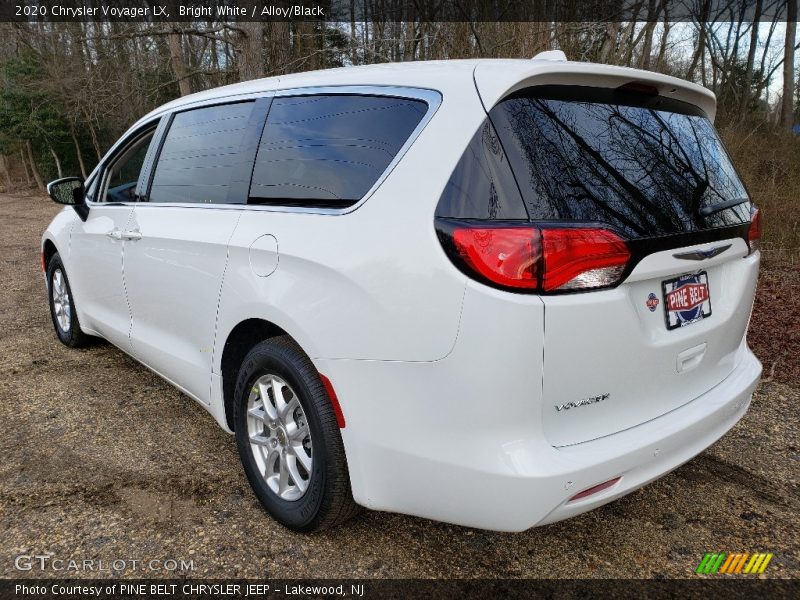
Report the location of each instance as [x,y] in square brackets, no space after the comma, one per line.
[638,87]
[754,233]
[549,260]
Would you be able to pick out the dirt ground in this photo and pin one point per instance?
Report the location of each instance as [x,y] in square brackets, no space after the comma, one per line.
[102,460]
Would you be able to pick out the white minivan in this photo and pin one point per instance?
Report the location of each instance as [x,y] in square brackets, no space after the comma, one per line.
[496,293]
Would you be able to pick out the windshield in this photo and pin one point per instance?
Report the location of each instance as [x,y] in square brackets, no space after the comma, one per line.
[646,170]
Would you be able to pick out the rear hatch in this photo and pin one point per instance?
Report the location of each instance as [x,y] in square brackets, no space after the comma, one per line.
[660,320]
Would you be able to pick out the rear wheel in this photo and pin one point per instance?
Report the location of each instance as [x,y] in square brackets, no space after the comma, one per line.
[288,438]
[62,305]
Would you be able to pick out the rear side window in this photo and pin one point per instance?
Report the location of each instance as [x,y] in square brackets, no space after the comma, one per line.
[329,150]
[645,166]
[482,185]
[200,154]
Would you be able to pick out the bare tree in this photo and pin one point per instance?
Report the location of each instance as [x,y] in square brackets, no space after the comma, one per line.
[751,57]
[120,71]
[787,108]
[280,47]
[177,62]
[248,48]
[6,174]
[702,21]
[34,169]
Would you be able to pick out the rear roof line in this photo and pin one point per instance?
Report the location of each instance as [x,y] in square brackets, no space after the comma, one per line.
[497,79]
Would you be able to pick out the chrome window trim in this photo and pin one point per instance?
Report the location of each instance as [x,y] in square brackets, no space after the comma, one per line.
[431,97]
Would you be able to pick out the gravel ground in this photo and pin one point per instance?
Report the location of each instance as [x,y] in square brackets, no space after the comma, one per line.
[102,460]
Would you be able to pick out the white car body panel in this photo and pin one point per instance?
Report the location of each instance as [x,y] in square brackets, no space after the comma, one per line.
[98,282]
[173,276]
[447,386]
[620,335]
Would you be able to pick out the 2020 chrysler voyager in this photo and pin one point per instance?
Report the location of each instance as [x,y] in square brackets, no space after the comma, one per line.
[496,293]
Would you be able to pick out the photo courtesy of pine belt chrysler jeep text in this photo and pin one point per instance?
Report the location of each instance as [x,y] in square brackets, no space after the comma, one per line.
[497,293]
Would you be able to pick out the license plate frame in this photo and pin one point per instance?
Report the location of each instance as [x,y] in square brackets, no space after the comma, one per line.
[699,301]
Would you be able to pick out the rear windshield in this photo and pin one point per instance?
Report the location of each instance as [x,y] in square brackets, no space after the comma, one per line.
[647,166]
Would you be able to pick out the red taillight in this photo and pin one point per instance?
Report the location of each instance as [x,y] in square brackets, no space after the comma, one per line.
[754,233]
[541,259]
[577,259]
[505,255]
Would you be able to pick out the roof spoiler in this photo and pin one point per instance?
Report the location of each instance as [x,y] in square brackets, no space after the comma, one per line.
[495,80]
[556,55]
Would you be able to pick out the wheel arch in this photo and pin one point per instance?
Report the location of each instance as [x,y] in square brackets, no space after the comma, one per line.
[239,342]
[48,251]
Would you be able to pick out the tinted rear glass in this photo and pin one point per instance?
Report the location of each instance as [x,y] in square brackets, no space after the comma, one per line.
[200,153]
[482,185]
[329,150]
[647,168]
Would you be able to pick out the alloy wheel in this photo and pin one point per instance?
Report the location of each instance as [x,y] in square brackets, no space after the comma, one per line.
[280,439]
[62,306]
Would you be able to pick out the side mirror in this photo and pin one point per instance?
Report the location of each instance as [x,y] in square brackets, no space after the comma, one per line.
[69,191]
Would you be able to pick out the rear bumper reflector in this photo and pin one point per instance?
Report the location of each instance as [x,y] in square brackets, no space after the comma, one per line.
[595,489]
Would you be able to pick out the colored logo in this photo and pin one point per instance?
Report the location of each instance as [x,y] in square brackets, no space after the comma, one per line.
[687,298]
[652,302]
[734,564]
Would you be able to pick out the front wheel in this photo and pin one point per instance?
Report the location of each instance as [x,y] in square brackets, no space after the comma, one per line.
[288,438]
[62,305]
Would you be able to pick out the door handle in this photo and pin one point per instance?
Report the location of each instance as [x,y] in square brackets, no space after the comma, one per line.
[114,234]
[132,235]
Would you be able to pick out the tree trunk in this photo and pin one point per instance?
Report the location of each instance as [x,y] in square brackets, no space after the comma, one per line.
[353,42]
[751,57]
[279,47]
[93,133]
[78,153]
[304,55]
[57,161]
[6,174]
[36,175]
[653,8]
[177,62]
[787,104]
[666,25]
[610,42]
[248,50]
[28,180]
[701,39]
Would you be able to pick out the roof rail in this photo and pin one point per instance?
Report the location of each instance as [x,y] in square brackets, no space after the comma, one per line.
[556,55]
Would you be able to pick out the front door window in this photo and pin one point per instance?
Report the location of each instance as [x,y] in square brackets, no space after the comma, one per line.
[124,173]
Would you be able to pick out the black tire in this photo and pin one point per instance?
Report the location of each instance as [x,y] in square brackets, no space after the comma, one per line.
[71,334]
[328,500]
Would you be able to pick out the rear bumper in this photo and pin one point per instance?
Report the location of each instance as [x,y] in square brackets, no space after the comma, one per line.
[650,450]
[420,440]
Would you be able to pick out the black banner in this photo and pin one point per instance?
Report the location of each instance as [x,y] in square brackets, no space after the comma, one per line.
[22,11]
[108,589]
